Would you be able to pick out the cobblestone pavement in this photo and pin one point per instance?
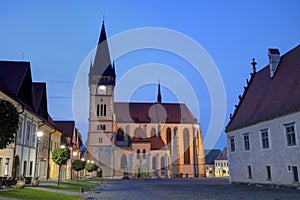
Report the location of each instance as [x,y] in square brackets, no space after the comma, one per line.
[210,189]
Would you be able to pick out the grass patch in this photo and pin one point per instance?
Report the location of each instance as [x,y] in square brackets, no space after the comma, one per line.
[73,186]
[32,194]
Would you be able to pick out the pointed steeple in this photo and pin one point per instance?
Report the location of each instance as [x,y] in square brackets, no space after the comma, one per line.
[158,94]
[102,70]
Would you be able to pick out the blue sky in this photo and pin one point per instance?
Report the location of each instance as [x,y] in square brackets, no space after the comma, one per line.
[57,36]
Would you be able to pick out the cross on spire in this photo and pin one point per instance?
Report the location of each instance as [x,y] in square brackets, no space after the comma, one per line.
[253,65]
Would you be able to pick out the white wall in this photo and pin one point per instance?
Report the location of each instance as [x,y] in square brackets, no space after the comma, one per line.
[278,156]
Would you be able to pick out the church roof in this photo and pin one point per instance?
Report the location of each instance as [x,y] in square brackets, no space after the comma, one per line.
[156,142]
[267,98]
[102,65]
[153,112]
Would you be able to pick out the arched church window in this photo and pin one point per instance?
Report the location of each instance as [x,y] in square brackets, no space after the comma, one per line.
[120,135]
[123,161]
[162,163]
[154,163]
[186,146]
[169,139]
[97,109]
[104,112]
[138,152]
[144,153]
[153,132]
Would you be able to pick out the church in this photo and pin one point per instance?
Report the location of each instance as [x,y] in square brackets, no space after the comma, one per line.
[137,139]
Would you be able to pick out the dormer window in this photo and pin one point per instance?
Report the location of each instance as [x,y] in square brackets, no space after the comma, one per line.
[101,89]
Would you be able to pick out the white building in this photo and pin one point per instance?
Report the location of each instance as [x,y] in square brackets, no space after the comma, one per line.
[221,164]
[263,134]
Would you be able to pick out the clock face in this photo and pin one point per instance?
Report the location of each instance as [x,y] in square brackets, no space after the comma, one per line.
[101,89]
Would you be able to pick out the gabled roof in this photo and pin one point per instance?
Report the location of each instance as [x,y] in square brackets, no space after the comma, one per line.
[266,98]
[16,80]
[67,127]
[210,155]
[156,142]
[153,112]
[40,99]
[222,155]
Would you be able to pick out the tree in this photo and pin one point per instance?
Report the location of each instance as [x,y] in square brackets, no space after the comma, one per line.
[78,165]
[60,156]
[90,167]
[9,123]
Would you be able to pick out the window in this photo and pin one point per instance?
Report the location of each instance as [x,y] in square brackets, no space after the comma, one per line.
[20,131]
[33,127]
[138,152]
[246,142]
[186,146]
[144,154]
[100,140]
[28,133]
[123,162]
[264,139]
[169,138]
[153,132]
[290,134]
[30,168]
[232,144]
[101,127]
[295,173]
[6,170]
[162,163]
[154,163]
[102,110]
[268,169]
[249,172]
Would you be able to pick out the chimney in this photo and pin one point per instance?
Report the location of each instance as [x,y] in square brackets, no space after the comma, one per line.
[274,59]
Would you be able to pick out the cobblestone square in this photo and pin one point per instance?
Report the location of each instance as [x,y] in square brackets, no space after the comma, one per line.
[211,189]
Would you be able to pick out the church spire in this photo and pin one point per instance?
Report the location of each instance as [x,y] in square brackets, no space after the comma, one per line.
[158,94]
[102,67]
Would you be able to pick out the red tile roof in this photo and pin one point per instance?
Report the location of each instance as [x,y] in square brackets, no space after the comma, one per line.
[153,112]
[156,143]
[266,98]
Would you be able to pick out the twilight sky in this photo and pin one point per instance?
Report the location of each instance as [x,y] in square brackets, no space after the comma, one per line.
[58,36]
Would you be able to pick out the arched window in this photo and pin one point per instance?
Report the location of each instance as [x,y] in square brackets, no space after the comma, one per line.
[162,163]
[154,163]
[153,132]
[101,109]
[104,113]
[120,135]
[123,161]
[169,138]
[138,152]
[186,146]
[97,109]
[144,153]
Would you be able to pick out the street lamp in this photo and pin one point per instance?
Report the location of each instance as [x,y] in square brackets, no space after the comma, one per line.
[39,135]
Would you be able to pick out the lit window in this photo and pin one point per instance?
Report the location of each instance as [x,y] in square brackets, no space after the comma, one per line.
[6,167]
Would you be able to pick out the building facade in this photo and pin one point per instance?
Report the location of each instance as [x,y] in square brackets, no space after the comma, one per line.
[263,133]
[221,164]
[210,156]
[29,155]
[139,139]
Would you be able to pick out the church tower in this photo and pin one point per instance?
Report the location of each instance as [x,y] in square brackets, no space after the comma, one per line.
[102,79]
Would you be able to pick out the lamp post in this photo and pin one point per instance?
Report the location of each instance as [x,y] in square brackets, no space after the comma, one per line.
[39,135]
[74,154]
